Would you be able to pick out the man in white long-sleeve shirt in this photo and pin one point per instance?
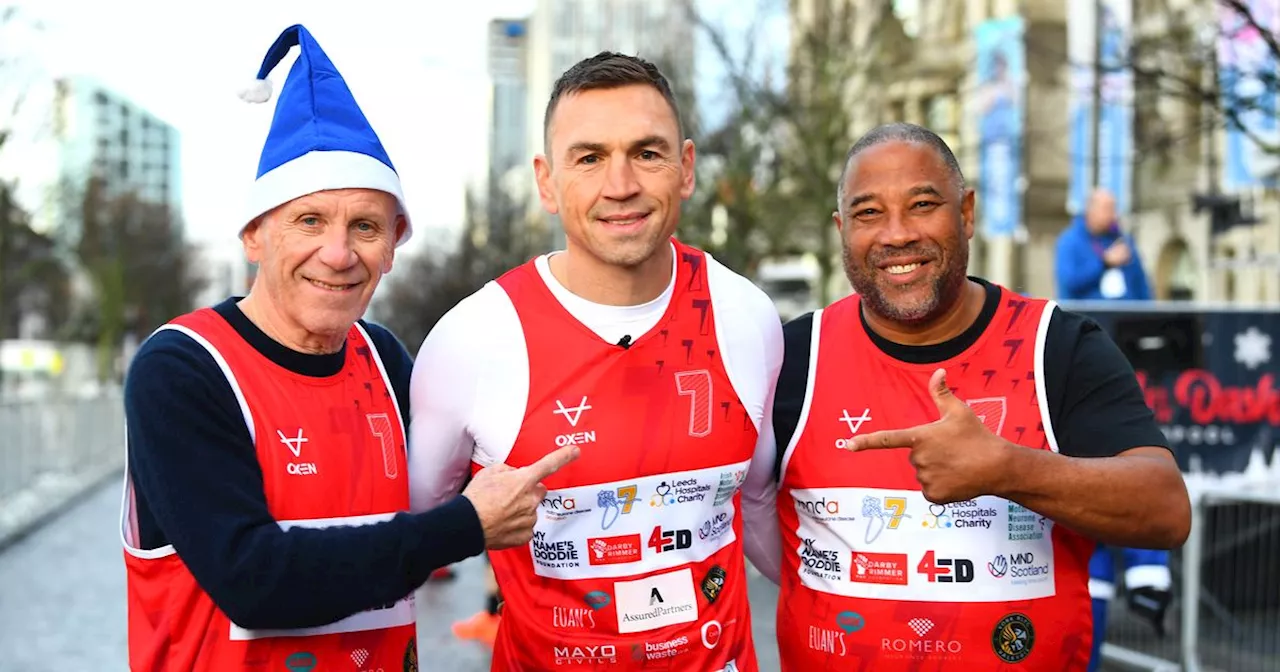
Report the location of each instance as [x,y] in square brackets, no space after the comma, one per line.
[656,360]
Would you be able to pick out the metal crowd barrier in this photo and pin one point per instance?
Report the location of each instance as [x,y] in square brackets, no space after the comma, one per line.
[1231,580]
[1226,611]
[51,451]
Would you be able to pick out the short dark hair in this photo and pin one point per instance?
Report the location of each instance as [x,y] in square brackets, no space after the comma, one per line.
[609,70]
[901,132]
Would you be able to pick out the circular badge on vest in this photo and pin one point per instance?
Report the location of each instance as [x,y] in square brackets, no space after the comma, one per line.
[713,584]
[1013,638]
[411,655]
[302,661]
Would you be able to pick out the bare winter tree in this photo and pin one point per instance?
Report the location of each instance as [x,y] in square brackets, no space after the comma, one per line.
[782,146]
[31,279]
[424,287]
[1181,61]
[143,273]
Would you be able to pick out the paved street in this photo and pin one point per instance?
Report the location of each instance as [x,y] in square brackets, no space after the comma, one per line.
[62,600]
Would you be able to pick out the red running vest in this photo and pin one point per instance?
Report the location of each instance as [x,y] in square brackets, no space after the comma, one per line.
[636,561]
[332,453]
[875,577]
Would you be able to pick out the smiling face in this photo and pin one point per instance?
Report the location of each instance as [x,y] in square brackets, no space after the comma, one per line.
[905,222]
[616,173]
[320,258]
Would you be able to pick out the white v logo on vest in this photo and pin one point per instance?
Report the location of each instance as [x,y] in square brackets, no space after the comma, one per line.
[293,444]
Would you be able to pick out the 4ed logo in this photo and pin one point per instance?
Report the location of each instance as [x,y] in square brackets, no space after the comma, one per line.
[615,503]
[945,570]
[670,540]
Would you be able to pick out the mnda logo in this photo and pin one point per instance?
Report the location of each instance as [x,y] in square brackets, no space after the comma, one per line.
[819,507]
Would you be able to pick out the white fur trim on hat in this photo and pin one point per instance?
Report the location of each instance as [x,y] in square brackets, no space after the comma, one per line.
[320,171]
[257,91]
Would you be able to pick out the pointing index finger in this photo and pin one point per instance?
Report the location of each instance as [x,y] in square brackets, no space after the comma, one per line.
[550,463]
[885,439]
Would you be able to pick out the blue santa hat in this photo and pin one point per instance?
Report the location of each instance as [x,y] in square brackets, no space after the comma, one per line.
[319,138]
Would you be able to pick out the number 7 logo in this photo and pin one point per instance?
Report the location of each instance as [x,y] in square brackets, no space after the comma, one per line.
[697,386]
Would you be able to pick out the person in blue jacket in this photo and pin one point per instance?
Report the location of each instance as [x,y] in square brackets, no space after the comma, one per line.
[1095,260]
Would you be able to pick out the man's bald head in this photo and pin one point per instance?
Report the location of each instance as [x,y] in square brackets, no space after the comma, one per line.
[901,132]
[1100,212]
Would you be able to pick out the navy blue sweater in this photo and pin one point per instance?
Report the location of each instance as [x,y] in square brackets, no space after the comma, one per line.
[199,487]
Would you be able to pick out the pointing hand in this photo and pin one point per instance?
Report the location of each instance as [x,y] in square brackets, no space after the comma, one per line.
[507,499]
[955,457]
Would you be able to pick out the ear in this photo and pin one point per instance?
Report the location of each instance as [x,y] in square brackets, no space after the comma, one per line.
[546,187]
[401,225]
[966,213]
[389,257]
[688,160]
[251,238]
[838,220]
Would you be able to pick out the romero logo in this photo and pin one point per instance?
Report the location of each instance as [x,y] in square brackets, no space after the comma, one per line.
[1013,638]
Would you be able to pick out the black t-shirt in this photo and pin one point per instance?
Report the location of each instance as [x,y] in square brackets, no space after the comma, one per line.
[1096,407]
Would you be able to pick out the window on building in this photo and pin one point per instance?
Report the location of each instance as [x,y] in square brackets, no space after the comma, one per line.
[564,17]
[940,113]
[123,169]
[897,110]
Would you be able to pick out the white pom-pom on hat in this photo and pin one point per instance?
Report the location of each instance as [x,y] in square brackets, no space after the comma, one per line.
[257,92]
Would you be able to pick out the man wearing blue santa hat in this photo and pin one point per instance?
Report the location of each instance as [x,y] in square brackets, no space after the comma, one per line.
[264,517]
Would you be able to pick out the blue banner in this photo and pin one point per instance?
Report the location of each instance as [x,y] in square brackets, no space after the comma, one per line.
[999,108]
[1115,118]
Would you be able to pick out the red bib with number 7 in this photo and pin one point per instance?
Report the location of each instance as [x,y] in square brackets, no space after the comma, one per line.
[636,559]
[875,576]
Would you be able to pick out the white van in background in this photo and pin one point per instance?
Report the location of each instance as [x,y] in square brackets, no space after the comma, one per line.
[792,283]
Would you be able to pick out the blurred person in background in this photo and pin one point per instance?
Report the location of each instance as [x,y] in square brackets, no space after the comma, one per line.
[947,451]
[483,625]
[1096,261]
[650,354]
[264,515]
